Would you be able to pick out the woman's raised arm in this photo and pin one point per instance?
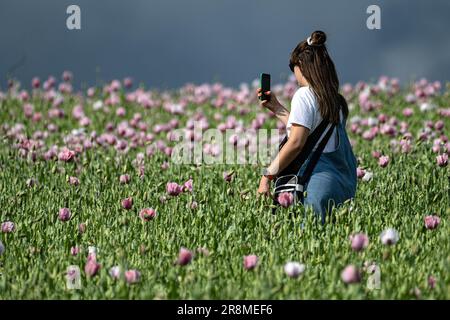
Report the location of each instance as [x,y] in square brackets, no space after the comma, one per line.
[274,105]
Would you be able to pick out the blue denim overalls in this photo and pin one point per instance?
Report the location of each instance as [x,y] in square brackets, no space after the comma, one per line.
[333,179]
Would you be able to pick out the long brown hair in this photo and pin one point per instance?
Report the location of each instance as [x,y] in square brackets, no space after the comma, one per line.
[318,69]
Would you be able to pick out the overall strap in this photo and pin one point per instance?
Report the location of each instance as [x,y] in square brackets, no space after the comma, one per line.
[315,156]
[310,143]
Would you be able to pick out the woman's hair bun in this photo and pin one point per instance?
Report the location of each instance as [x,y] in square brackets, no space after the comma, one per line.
[318,38]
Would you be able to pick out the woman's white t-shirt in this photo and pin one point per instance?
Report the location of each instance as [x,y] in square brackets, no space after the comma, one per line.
[305,112]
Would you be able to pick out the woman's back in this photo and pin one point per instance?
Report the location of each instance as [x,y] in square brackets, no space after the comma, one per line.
[305,111]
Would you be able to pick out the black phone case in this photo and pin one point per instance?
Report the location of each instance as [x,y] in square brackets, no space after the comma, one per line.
[265,85]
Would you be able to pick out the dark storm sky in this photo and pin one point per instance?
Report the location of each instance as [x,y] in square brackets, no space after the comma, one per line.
[166,43]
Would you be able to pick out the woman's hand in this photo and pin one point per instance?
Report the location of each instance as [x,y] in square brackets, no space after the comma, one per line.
[274,105]
[264,186]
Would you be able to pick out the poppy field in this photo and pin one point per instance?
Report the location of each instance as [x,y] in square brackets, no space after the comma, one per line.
[92,205]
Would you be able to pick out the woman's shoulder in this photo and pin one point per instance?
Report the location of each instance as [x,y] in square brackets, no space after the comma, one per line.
[303,92]
[304,96]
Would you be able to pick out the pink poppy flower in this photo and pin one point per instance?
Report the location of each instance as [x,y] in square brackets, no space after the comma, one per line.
[28,110]
[188,186]
[168,151]
[233,139]
[285,199]
[442,160]
[360,172]
[359,241]
[87,144]
[128,82]
[389,236]
[376,154]
[437,146]
[147,214]
[84,122]
[132,276]
[351,274]
[74,181]
[368,135]
[127,203]
[194,205]
[74,250]
[124,178]
[416,292]
[35,83]
[66,154]
[184,257]
[114,272]
[8,227]
[407,112]
[64,214]
[82,228]
[173,188]
[382,118]
[78,112]
[173,123]
[432,222]
[165,165]
[410,98]
[120,112]
[429,124]
[250,262]
[405,146]
[90,92]
[228,176]
[439,125]
[67,76]
[294,269]
[383,161]
[431,282]
[115,85]
[91,268]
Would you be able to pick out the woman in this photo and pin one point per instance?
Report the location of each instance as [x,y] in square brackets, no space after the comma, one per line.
[334,178]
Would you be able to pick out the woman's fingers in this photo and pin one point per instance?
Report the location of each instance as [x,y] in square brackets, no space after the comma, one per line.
[259,94]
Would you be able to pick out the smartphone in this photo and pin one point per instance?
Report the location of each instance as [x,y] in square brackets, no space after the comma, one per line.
[265,85]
